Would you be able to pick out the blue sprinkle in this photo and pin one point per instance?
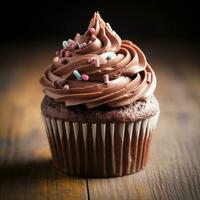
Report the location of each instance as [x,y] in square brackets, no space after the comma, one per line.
[109,57]
[77,74]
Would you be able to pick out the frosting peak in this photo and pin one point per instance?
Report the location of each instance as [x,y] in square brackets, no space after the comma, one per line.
[101,34]
[98,68]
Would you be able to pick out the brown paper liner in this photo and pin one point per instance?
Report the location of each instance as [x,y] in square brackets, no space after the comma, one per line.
[99,149]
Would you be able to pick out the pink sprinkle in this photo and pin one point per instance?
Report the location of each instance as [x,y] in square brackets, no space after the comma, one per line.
[85,77]
[96,62]
[148,77]
[66,87]
[82,45]
[68,53]
[92,30]
[90,60]
[106,78]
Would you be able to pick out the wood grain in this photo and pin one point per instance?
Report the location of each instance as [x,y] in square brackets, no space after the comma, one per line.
[173,171]
[26,170]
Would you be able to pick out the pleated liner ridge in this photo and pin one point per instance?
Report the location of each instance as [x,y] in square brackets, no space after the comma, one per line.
[99,149]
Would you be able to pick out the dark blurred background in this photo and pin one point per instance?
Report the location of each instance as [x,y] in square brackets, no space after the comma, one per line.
[150,20]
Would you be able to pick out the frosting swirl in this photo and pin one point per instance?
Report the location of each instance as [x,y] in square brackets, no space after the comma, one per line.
[99,68]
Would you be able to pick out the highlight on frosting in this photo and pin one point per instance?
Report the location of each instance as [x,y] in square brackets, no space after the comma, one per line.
[98,68]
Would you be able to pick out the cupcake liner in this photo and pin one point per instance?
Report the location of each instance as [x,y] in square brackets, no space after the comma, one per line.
[99,149]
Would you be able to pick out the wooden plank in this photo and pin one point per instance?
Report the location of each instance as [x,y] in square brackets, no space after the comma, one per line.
[178,172]
[173,171]
[26,171]
[128,187]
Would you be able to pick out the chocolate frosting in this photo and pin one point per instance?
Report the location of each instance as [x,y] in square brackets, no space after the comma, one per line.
[129,76]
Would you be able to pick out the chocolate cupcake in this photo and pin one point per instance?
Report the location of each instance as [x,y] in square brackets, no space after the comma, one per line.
[99,109]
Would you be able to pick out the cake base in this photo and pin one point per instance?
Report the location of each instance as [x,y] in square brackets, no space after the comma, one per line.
[106,145]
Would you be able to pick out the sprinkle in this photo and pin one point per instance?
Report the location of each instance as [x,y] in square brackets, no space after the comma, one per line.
[56,59]
[77,74]
[96,62]
[148,77]
[109,57]
[106,78]
[90,42]
[70,41]
[66,87]
[109,27]
[65,44]
[68,53]
[90,60]
[85,77]
[82,45]
[78,34]
[75,45]
[92,30]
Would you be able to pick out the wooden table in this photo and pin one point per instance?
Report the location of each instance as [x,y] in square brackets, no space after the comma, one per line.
[26,171]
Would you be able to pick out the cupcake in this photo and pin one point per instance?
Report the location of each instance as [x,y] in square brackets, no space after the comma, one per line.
[99,109]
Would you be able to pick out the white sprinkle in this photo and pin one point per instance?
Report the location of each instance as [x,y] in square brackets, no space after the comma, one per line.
[66,87]
[106,78]
[96,62]
[56,59]
[65,44]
